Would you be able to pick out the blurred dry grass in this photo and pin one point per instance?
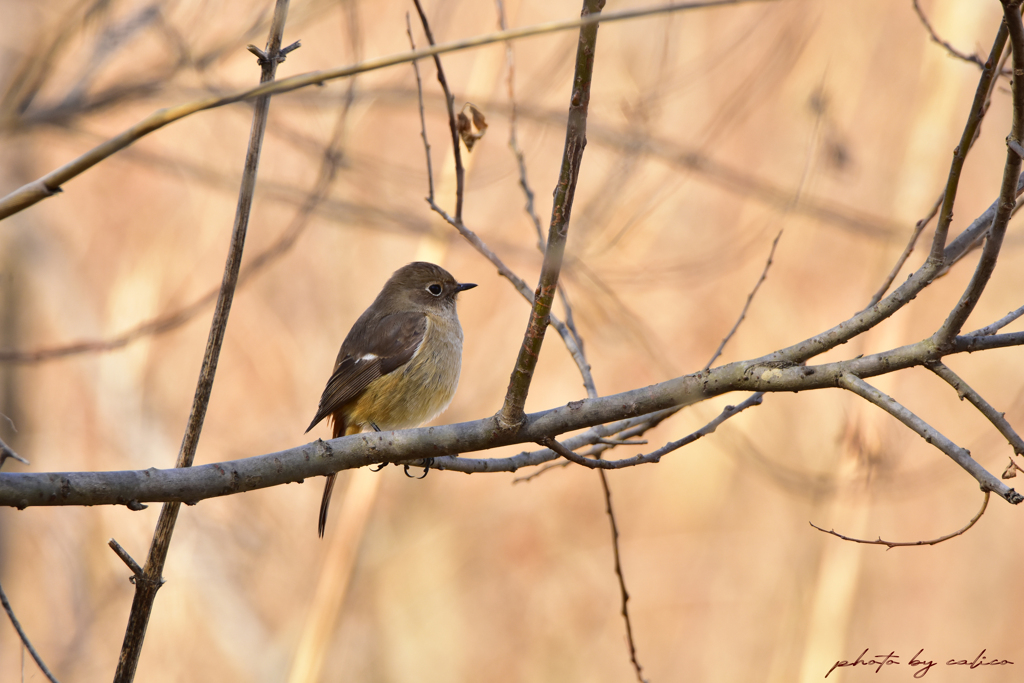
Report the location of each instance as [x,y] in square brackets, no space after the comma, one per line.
[459,578]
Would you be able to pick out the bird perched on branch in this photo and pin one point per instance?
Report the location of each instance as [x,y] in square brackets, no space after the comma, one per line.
[399,365]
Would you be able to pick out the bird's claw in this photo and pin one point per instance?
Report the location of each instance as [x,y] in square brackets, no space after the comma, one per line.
[426,468]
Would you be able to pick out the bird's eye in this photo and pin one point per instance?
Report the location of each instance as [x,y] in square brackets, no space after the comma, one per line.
[434,289]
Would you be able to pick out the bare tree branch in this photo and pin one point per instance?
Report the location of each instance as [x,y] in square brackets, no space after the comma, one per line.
[746,306]
[50,184]
[653,456]
[973,59]
[575,345]
[999,324]
[766,374]
[7,452]
[960,456]
[907,251]
[24,638]
[1007,196]
[988,74]
[622,579]
[904,544]
[569,336]
[512,414]
[146,586]
[419,98]
[964,390]
[137,571]
[921,224]
[449,99]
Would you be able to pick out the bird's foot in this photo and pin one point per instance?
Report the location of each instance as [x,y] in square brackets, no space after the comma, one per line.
[427,462]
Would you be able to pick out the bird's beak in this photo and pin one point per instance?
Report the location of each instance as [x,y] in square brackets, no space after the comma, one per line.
[463,286]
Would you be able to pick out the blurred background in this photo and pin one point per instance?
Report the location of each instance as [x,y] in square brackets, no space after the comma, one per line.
[710,131]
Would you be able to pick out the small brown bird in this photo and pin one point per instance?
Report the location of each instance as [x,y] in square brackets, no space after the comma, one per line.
[399,365]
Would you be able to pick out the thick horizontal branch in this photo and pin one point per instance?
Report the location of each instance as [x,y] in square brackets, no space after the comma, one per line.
[323,457]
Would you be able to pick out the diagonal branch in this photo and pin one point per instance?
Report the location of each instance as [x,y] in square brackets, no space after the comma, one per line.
[1007,195]
[7,452]
[988,75]
[960,456]
[512,412]
[653,456]
[973,59]
[568,331]
[964,390]
[330,161]
[746,305]
[146,586]
[24,637]
[50,184]
[998,325]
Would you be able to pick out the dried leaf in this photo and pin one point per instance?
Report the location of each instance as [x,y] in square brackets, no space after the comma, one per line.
[1010,472]
[478,118]
[465,128]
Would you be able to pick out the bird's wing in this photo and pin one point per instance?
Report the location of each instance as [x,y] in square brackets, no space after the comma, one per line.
[371,351]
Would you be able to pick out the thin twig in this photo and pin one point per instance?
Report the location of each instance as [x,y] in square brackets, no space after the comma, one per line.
[973,59]
[905,544]
[1007,195]
[137,570]
[653,456]
[964,390]
[460,171]
[146,588]
[623,442]
[7,452]
[24,637]
[329,164]
[569,336]
[997,325]
[419,98]
[978,107]
[907,251]
[622,579]
[541,470]
[746,306]
[50,184]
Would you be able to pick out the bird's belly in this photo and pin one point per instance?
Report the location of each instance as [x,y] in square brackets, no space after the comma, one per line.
[410,396]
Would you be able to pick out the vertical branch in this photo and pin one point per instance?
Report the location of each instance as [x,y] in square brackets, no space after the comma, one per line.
[512,412]
[460,171]
[988,74]
[1008,190]
[423,117]
[147,585]
[622,578]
